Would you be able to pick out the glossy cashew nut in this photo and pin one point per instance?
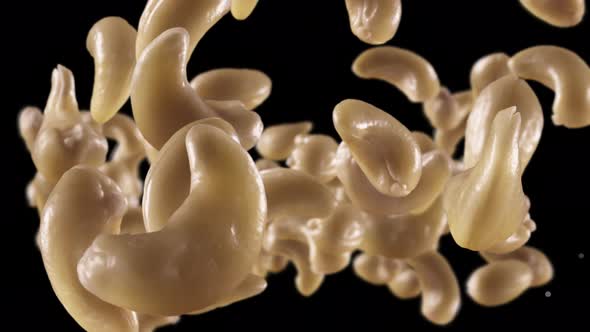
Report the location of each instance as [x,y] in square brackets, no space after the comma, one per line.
[559,13]
[499,282]
[407,71]
[516,240]
[314,155]
[485,204]
[441,296]
[111,42]
[241,9]
[535,259]
[249,86]
[83,204]
[436,170]
[503,93]
[163,100]
[448,140]
[278,141]
[486,70]
[195,16]
[374,269]
[562,71]
[207,248]
[404,236]
[374,21]
[382,147]
[248,125]
[404,284]
[443,111]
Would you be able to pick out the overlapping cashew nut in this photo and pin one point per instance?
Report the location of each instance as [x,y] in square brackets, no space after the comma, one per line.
[559,13]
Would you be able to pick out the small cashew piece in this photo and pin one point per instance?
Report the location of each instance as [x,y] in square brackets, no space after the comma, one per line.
[248,125]
[374,21]
[241,9]
[382,147]
[424,141]
[407,71]
[404,284]
[499,282]
[443,111]
[374,269]
[486,70]
[534,258]
[278,141]
[111,42]
[559,13]
[449,139]
[562,71]
[516,240]
[314,155]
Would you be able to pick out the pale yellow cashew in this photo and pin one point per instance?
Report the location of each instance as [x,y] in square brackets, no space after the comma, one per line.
[516,240]
[278,141]
[562,71]
[207,248]
[503,93]
[559,13]
[407,71]
[404,284]
[251,87]
[111,42]
[486,70]
[443,111]
[241,9]
[248,125]
[441,297]
[485,204]
[382,147]
[374,269]
[314,155]
[499,282]
[535,259]
[374,21]
[436,170]
[83,204]
[196,16]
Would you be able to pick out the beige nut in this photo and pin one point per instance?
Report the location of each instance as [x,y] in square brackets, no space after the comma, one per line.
[278,141]
[263,164]
[404,284]
[534,258]
[406,70]
[441,297]
[499,282]
[559,13]
[486,70]
[374,21]
[443,111]
[83,204]
[382,146]
[249,86]
[449,139]
[424,141]
[503,93]
[562,71]
[314,155]
[30,120]
[516,240]
[485,204]
[241,9]
[111,42]
[374,269]
[207,248]
[248,125]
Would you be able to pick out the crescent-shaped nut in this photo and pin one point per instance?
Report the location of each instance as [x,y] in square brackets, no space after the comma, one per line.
[562,71]
[443,111]
[278,141]
[241,9]
[249,86]
[503,93]
[404,236]
[376,270]
[485,204]
[111,42]
[195,16]
[559,13]
[374,21]
[406,70]
[534,258]
[314,155]
[83,204]
[206,250]
[499,282]
[382,146]
[441,297]
[404,284]
[486,70]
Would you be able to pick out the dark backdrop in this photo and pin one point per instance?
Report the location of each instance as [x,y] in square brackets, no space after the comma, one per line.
[307,48]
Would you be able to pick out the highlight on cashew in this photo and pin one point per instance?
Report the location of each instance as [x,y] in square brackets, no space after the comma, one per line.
[374,21]
[559,13]
[534,258]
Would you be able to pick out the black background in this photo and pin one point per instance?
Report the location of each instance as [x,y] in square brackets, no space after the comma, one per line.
[307,48]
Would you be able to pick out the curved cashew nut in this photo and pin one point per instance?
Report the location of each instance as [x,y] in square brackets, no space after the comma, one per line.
[404,236]
[499,282]
[441,296]
[208,246]
[374,269]
[443,111]
[503,93]
[241,9]
[404,284]
[559,13]
[486,70]
[314,155]
[562,71]
[83,204]
[486,204]
[374,21]
[406,70]
[383,147]
[516,240]
[278,141]
[111,42]
[535,259]
[436,170]
[249,86]
[196,16]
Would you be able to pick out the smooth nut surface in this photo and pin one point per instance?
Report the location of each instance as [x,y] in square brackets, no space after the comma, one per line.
[499,282]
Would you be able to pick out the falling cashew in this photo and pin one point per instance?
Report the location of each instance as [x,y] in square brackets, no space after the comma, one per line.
[534,258]
[486,70]
[559,13]
[374,21]
[278,141]
[314,155]
[499,282]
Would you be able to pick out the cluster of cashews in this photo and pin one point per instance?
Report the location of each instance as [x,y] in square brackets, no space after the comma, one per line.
[209,224]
